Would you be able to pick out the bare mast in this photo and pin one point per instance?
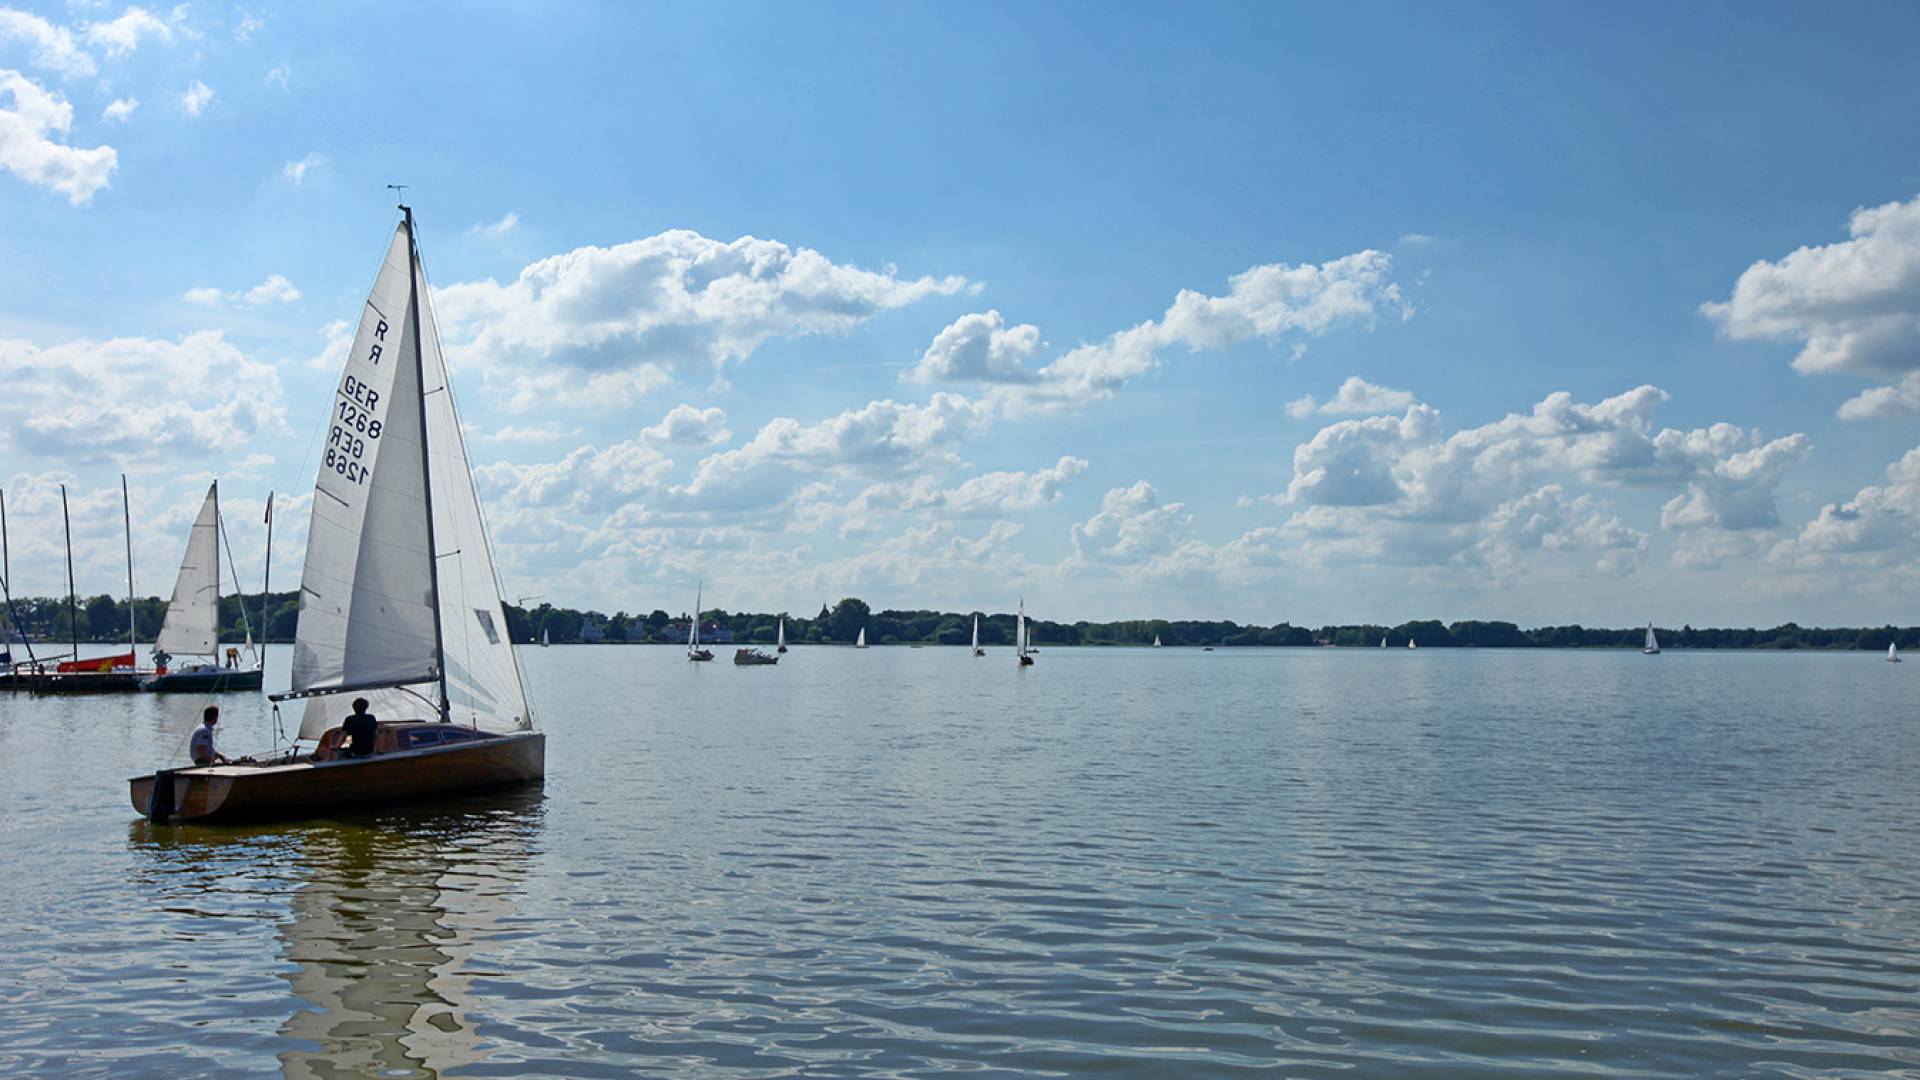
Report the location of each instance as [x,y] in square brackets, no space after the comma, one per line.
[73,605]
[126,514]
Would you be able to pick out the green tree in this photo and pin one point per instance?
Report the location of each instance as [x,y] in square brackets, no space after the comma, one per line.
[848,618]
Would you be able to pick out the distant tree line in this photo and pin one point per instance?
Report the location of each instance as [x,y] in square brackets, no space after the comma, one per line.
[103,618]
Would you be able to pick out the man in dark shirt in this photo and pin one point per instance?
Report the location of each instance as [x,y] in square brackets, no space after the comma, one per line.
[360,728]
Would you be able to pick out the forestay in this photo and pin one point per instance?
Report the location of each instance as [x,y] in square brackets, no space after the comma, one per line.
[367,603]
[192,623]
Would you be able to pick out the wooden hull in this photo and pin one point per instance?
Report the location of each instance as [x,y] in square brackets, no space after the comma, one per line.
[204,682]
[308,789]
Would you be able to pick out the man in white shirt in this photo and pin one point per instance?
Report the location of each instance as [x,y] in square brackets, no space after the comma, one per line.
[202,745]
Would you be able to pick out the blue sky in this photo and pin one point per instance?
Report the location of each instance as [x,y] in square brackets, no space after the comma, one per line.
[1547,313]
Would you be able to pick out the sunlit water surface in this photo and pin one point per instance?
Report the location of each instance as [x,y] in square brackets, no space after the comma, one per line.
[905,862]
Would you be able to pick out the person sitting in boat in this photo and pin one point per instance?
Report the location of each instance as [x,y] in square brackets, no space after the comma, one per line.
[360,728]
[202,746]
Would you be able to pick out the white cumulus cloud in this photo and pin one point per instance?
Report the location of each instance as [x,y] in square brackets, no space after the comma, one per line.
[85,400]
[121,36]
[33,128]
[978,348]
[119,110]
[1263,303]
[685,425]
[671,302]
[53,46]
[1853,305]
[1356,397]
[276,289]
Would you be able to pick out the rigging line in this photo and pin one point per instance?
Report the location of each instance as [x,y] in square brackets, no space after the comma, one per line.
[479,508]
[220,529]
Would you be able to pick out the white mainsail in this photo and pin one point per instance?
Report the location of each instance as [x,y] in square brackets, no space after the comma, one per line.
[546,638]
[782,642]
[1020,630]
[976,632]
[1156,641]
[861,641]
[1893,652]
[1653,643]
[693,631]
[192,623]
[368,606]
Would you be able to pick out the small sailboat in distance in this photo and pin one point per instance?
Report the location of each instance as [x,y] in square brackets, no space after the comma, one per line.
[694,651]
[1652,647]
[1156,641]
[1383,642]
[1412,644]
[782,642]
[861,641]
[1893,652]
[1020,636]
[546,638]
[977,650]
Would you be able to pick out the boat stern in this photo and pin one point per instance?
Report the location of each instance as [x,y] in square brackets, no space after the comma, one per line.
[178,794]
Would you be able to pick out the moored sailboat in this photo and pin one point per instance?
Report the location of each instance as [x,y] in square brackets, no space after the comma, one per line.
[394,509]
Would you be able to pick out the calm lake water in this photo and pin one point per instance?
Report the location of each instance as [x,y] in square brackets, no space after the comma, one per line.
[908,862]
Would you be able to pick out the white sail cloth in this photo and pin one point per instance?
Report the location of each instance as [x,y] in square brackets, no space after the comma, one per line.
[191,626]
[367,602]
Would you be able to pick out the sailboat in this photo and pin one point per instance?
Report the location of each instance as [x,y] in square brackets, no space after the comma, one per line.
[781,641]
[546,638]
[1652,647]
[1020,636]
[977,650]
[191,626]
[694,651]
[1412,644]
[1383,642]
[1893,652]
[861,641]
[1156,641]
[398,599]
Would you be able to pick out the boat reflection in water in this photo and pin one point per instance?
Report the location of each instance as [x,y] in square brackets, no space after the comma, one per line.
[385,913]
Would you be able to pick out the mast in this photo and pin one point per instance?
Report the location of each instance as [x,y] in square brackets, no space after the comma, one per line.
[73,606]
[426,461]
[266,575]
[6,588]
[126,513]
